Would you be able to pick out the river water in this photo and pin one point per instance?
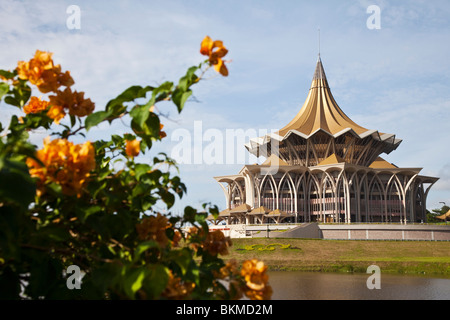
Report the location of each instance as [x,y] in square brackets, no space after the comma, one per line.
[293,285]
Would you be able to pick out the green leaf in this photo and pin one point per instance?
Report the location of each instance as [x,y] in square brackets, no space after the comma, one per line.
[130,94]
[142,247]
[4,88]
[141,169]
[190,77]
[163,89]
[140,114]
[95,118]
[16,185]
[182,92]
[133,281]
[7,74]
[179,97]
[148,130]
[201,217]
[167,197]
[72,120]
[189,214]
[182,258]
[156,281]
[20,95]
[104,277]
[84,214]
[12,101]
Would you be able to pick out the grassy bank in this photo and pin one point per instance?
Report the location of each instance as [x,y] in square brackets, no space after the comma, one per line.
[406,257]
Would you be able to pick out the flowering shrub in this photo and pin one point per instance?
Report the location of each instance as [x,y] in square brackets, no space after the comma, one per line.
[66,204]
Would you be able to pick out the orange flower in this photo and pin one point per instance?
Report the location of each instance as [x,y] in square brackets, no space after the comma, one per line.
[74,102]
[162,134]
[176,238]
[56,113]
[35,105]
[256,280]
[132,148]
[194,235]
[221,68]
[41,72]
[206,46]
[215,51]
[229,269]
[177,289]
[32,70]
[66,164]
[217,243]
[154,228]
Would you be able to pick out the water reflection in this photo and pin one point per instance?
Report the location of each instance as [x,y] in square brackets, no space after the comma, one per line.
[294,285]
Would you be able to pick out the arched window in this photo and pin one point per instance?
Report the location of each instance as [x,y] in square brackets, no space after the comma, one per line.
[341,203]
[394,202]
[363,199]
[314,200]
[301,193]
[329,200]
[268,193]
[286,196]
[237,197]
[376,203]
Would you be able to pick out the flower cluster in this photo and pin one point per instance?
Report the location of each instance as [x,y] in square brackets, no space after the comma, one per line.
[213,242]
[177,289]
[42,72]
[256,280]
[132,148]
[35,105]
[64,163]
[162,134]
[216,243]
[231,272]
[154,228]
[215,51]
[72,101]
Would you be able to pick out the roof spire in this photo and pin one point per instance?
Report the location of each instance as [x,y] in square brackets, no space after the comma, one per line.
[319,74]
[319,42]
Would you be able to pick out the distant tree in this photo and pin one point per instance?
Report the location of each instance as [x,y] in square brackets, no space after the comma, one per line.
[431,216]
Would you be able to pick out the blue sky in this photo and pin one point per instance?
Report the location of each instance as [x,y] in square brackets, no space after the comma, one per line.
[394,79]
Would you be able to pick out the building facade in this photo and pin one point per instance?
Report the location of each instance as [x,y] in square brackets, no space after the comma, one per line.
[324,167]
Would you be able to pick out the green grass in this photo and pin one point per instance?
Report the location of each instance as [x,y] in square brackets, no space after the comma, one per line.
[412,257]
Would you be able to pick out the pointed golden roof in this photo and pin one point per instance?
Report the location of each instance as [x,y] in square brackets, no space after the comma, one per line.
[224,213]
[243,208]
[380,163]
[320,110]
[319,114]
[331,160]
[273,160]
[260,210]
[278,212]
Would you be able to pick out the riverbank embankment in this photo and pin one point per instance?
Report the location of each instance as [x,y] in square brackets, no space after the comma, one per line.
[431,258]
